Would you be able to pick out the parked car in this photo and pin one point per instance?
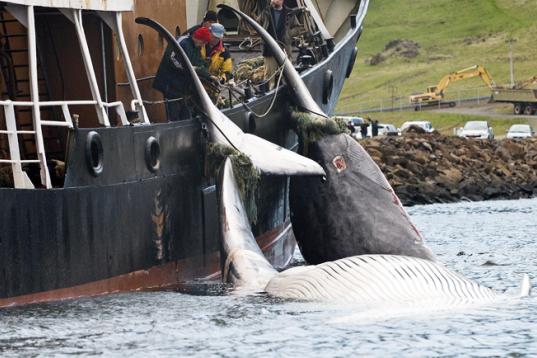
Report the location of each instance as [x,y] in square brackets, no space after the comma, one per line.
[520,131]
[354,121]
[423,124]
[388,130]
[476,130]
[384,129]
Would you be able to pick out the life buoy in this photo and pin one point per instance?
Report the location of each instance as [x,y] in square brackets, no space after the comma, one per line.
[94,153]
[328,86]
[249,122]
[152,154]
[352,60]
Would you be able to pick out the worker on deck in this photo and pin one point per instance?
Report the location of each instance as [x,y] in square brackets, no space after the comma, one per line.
[276,21]
[209,19]
[219,59]
[173,82]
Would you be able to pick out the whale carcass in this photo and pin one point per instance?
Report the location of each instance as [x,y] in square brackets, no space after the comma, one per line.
[361,280]
[354,211]
[356,279]
[351,279]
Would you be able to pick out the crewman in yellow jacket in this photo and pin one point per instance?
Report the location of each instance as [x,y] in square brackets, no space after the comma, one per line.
[220,63]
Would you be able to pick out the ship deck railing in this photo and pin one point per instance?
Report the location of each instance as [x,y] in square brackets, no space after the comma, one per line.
[20,178]
[25,14]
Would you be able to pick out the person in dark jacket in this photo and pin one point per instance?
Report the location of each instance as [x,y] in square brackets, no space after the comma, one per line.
[210,18]
[375,128]
[363,130]
[276,21]
[170,79]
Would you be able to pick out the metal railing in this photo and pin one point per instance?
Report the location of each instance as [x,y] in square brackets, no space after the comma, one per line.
[26,15]
[20,178]
[401,103]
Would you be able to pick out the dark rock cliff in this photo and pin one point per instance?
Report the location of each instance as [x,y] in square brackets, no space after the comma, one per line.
[432,168]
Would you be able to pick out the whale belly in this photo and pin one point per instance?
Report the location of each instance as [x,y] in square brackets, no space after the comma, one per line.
[369,279]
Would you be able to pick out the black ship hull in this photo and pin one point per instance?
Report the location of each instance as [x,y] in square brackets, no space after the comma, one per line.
[132,227]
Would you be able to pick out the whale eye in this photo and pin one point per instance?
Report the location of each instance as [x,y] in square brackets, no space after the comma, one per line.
[323,179]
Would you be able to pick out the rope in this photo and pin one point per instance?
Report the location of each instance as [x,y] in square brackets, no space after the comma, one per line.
[248,43]
[273,101]
[162,101]
[278,72]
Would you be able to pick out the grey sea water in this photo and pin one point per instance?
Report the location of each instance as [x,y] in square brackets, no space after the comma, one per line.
[491,242]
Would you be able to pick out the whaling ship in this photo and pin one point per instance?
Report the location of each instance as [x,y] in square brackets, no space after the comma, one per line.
[99,192]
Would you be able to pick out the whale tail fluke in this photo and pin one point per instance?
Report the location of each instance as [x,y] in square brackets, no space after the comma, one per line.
[525,286]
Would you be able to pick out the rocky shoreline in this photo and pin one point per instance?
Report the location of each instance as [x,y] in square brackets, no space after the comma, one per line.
[426,168]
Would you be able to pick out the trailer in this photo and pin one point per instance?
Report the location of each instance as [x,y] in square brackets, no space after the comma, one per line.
[524,100]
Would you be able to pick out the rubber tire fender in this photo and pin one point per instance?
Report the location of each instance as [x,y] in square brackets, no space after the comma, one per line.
[250,123]
[352,60]
[328,86]
[152,154]
[94,153]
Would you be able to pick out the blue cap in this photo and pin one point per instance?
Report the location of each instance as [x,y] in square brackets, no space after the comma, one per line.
[217,30]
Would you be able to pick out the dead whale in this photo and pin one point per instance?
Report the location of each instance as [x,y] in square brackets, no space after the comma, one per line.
[361,280]
[248,269]
[354,211]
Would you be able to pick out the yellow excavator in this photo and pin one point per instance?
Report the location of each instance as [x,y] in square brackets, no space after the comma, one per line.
[435,94]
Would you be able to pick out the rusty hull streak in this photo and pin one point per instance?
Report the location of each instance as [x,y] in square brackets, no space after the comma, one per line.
[164,277]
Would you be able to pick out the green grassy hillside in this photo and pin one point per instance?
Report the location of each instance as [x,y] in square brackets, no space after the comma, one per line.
[452,34]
